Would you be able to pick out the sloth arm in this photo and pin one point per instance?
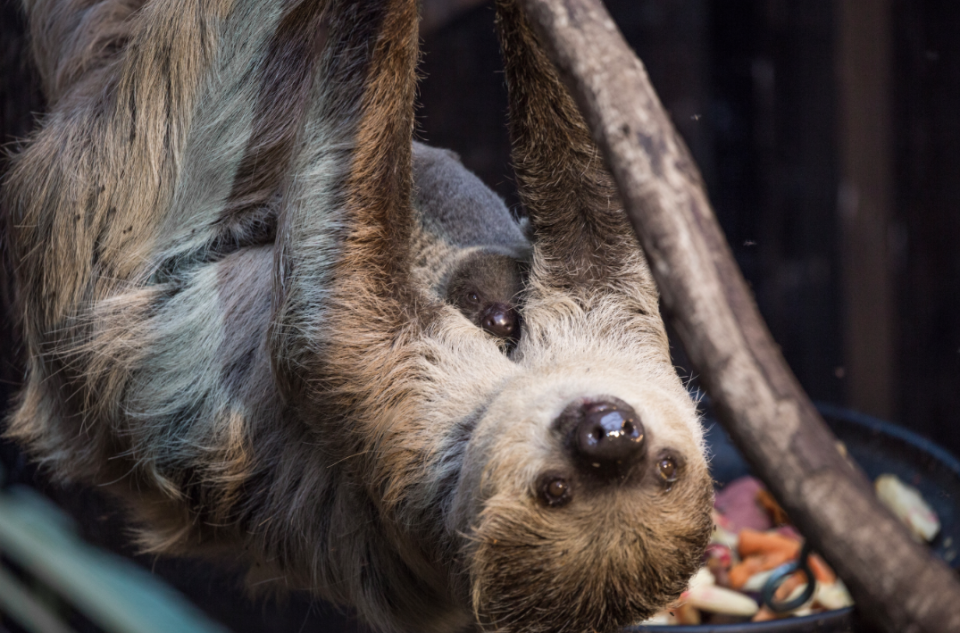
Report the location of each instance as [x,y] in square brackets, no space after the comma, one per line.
[117,206]
[212,247]
[204,134]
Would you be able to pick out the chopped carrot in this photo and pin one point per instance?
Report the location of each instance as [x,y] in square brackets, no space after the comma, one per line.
[687,614]
[821,570]
[753,542]
[764,615]
[788,586]
[741,572]
[768,503]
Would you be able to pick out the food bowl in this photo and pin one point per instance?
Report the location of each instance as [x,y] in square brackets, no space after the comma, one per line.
[878,447]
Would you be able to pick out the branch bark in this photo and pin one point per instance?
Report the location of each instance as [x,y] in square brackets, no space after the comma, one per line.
[897,584]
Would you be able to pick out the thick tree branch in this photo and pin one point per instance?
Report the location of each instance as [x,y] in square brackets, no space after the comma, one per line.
[896,582]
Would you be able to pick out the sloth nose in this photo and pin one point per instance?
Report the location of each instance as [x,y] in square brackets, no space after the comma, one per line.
[609,437]
[500,320]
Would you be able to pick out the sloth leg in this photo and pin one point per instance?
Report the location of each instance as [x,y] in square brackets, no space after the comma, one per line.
[116,207]
[583,241]
[345,306]
[219,209]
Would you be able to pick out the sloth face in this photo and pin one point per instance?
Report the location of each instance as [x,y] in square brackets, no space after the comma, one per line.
[485,287]
[585,497]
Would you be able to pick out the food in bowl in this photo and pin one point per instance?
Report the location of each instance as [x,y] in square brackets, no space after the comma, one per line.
[753,539]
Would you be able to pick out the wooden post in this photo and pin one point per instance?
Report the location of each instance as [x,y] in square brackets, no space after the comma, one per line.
[865,202]
[897,584]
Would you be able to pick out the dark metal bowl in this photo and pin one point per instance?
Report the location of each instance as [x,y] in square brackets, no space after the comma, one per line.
[879,447]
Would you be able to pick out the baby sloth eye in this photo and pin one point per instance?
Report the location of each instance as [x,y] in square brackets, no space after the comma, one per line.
[554,490]
[473,298]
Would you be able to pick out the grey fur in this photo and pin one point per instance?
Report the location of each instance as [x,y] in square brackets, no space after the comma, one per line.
[456,206]
[457,218]
[466,242]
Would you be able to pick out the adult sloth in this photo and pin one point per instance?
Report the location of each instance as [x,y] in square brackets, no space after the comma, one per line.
[215,242]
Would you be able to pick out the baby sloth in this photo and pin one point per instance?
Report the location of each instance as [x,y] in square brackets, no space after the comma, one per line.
[484,287]
[467,249]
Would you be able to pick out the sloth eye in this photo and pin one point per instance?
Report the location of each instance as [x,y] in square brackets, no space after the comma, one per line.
[473,297]
[554,490]
[668,469]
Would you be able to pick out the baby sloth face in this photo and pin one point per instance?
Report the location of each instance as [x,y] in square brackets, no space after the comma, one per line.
[484,287]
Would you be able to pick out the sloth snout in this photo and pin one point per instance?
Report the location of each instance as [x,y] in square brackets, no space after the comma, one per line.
[501,320]
[609,438]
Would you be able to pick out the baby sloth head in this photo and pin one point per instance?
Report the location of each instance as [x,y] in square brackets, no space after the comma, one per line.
[484,287]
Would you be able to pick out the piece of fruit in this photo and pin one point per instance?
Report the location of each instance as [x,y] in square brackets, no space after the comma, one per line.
[907,504]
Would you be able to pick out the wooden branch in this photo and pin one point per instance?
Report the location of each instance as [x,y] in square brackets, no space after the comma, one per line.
[897,584]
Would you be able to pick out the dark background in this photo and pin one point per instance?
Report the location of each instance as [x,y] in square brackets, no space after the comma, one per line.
[828,133]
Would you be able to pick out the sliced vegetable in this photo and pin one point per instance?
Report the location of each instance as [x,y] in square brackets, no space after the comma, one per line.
[719,600]
[907,504]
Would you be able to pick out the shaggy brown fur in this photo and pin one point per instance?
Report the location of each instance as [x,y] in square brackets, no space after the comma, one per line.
[230,258]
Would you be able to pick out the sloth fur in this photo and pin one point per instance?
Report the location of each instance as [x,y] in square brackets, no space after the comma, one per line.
[230,260]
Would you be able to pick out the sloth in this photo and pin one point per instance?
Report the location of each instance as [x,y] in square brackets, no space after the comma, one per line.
[239,285]
[484,286]
[469,249]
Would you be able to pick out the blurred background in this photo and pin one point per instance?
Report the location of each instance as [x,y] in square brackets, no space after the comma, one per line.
[828,133]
